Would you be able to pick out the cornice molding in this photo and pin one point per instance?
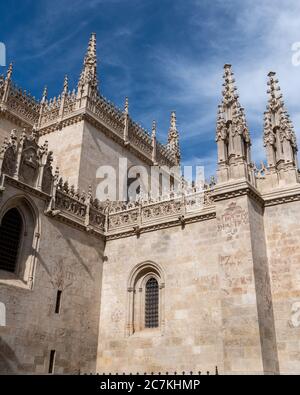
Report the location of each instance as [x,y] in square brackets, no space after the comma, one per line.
[25,187]
[236,189]
[169,223]
[282,195]
[74,223]
[14,118]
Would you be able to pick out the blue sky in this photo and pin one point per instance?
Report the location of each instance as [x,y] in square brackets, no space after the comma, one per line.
[165,55]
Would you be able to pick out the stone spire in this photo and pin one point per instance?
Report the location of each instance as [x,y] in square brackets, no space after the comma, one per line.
[88,78]
[232,136]
[63,97]
[126,121]
[126,107]
[154,148]
[66,86]
[279,135]
[154,129]
[45,95]
[42,106]
[173,139]
[9,72]
[7,83]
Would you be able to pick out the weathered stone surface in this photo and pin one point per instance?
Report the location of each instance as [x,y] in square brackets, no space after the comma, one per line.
[223,265]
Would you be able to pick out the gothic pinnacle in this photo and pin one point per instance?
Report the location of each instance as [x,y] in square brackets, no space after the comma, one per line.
[173,138]
[45,94]
[173,120]
[66,85]
[89,71]
[154,129]
[279,134]
[275,97]
[9,72]
[91,51]
[229,93]
[126,107]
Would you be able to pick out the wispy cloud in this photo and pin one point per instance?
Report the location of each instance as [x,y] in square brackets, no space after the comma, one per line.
[165,56]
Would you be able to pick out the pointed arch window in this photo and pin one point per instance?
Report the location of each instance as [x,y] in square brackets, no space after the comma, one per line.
[146,304]
[10,240]
[152,304]
[19,242]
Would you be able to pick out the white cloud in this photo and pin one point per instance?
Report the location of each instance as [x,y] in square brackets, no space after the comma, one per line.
[256,38]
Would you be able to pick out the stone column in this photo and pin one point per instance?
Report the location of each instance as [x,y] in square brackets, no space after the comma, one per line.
[248,333]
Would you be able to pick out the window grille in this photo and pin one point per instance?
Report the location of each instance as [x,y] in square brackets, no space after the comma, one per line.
[152,304]
[10,235]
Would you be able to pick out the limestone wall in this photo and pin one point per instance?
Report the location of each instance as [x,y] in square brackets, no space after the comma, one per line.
[263,288]
[80,149]
[66,146]
[69,260]
[217,307]
[240,332]
[282,226]
[100,150]
[190,340]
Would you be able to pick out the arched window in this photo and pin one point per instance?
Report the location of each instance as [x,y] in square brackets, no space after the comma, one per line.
[10,237]
[145,298]
[19,241]
[152,304]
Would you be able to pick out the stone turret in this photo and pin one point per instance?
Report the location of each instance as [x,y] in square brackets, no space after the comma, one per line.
[279,138]
[6,86]
[88,81]
[233,137]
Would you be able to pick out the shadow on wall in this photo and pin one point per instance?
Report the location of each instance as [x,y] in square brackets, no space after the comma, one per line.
[8,360]
[87,241]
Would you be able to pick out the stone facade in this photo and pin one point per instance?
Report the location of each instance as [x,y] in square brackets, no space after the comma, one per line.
[225,257]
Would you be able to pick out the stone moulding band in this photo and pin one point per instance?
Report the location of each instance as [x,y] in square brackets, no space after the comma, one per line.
[67,212]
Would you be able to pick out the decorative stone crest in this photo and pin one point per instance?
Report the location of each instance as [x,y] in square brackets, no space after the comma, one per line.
[232,219]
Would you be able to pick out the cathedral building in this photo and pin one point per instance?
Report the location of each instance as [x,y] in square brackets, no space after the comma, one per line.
[186,281]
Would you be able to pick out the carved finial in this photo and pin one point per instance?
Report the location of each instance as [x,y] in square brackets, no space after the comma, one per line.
[173,138]
[154,129]
[66,85]
[4,146]
[60,184]
[13,136]
[90,192]
[56,174]
[126,107]
[89,71]
[83,196]
[45,94]
[72,190]
[229,92]
[9,72]
[66,187]
[77,194]
[33,135]
[46,146]
[275,102]
[173,120]
[91,52]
